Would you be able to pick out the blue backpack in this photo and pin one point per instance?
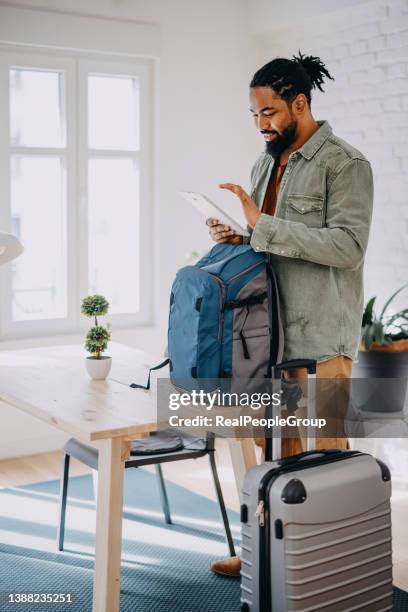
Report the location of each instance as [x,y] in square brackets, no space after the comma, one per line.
[224,318]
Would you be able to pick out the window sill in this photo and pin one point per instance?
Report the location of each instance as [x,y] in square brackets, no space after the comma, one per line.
[152,339]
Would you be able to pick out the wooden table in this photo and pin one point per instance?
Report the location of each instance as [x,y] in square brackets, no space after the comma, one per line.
[52,384]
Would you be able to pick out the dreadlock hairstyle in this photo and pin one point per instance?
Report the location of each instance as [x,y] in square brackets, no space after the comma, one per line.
[290,77]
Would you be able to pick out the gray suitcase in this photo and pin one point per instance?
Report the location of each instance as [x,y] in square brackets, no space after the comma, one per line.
[316,530]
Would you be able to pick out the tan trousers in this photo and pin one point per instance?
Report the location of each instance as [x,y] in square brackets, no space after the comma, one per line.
[336,368]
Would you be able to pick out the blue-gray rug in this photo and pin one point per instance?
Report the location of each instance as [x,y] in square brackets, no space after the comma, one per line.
[164,567]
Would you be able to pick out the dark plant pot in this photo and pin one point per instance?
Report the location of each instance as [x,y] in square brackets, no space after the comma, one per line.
[385,386]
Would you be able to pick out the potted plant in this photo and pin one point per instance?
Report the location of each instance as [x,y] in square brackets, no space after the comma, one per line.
[96,341]
[383,355]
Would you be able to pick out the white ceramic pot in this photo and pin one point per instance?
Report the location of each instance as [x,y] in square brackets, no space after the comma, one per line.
[98,369]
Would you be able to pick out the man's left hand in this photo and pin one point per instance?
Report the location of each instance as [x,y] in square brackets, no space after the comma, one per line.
[250,209]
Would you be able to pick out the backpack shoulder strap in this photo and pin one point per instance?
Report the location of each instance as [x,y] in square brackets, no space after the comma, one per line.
[157,367]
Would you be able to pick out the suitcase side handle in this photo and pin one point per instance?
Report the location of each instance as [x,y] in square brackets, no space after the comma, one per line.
[309,364]
[324,452]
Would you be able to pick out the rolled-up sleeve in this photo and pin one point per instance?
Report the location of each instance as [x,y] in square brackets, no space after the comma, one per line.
[343,241]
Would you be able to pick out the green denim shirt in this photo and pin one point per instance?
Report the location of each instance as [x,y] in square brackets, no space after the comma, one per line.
[316,243]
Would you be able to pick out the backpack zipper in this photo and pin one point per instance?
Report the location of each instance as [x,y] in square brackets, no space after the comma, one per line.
[223,290]
[223,293]
[246,271]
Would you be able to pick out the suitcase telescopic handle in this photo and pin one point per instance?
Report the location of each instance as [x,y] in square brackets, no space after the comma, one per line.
[273,448]
[308,364]
[296,458]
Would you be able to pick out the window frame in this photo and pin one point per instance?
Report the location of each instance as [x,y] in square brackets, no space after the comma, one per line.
[143,156]
[75,67]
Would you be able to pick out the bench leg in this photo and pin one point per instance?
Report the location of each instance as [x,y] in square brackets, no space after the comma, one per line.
[221,503]
[63,502]
[163,494]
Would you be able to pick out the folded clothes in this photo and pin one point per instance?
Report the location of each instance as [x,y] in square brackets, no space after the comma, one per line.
[166,441]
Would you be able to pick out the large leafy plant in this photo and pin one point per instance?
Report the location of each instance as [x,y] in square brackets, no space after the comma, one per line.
[384,329]
[97,338]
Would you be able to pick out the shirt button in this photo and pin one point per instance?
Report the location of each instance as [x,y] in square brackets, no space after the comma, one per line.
[303,208]
[282,252]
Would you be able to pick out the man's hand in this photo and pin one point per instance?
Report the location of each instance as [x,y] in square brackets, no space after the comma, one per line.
[250,209]
[222,233]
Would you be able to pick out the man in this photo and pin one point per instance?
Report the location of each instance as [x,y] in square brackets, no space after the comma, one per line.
[309,208]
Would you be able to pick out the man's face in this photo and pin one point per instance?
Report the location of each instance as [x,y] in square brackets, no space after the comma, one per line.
[273,118]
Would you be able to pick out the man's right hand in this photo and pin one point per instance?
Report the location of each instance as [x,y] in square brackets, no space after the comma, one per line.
[222,233]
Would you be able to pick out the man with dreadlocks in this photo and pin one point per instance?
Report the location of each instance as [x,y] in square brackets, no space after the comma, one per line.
[309,209]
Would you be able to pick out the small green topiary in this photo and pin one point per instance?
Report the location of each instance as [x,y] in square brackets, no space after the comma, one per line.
[97,338]
[95,306]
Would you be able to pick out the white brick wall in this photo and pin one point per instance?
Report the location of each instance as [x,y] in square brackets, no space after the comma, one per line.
[365,48]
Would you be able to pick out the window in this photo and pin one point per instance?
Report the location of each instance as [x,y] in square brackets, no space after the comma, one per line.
[75,152]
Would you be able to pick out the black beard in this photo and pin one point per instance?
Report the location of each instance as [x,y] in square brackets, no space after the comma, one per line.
[282,141]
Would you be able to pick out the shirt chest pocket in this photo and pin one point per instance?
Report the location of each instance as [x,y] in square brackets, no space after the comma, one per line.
[305,209]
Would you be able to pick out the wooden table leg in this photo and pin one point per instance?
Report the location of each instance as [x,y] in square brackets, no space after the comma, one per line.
[243,458]
[106,586]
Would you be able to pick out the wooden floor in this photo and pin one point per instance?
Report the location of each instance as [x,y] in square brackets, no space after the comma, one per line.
[195,476]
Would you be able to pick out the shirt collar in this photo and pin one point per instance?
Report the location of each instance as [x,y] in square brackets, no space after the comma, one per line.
[314,143]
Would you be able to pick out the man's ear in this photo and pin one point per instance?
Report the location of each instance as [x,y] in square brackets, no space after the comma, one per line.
[299,104]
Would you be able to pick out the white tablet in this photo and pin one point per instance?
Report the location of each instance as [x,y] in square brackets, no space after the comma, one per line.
[209,209]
